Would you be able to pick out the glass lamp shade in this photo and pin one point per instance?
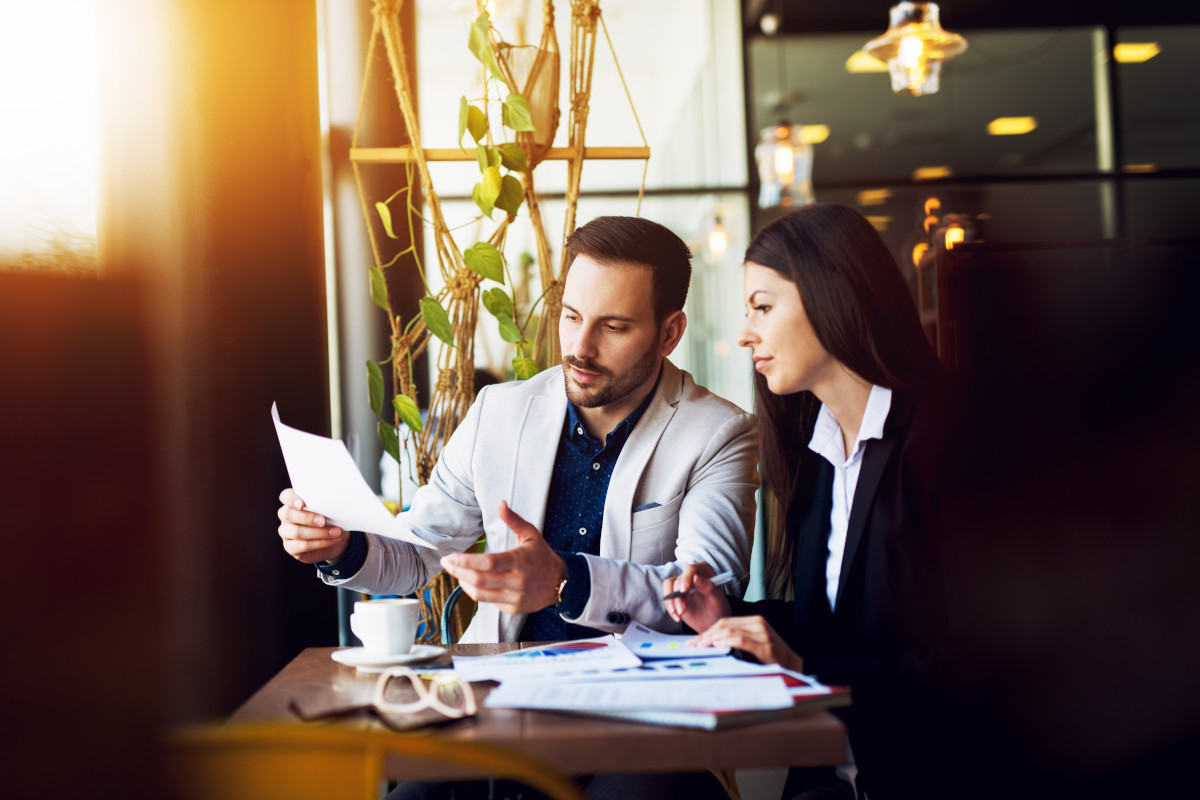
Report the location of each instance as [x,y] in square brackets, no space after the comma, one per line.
[914,48]
[784,167]
[955,229]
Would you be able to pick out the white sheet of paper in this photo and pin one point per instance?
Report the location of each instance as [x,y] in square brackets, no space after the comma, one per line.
[699,694]
[561,659]
[647,643]
[325,476]
[675,669]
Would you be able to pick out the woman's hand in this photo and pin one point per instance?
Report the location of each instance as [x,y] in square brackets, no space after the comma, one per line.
[753,635]
[703,604]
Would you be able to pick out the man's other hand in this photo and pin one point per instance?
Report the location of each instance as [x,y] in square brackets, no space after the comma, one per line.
[520,580]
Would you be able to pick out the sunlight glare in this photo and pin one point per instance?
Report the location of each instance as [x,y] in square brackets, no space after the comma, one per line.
[49,133]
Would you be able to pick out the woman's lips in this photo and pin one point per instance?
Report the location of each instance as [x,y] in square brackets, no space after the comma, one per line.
[761,362]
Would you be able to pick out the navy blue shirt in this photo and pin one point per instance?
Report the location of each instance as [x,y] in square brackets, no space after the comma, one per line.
[574,518]
[583,468]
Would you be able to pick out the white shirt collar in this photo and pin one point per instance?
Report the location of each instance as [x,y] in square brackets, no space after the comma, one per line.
[827,433]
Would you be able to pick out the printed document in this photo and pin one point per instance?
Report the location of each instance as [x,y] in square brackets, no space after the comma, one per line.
[647,643]
[696,694]
[327,479]
[565,659]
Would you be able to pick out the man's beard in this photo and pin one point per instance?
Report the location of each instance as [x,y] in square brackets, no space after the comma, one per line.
[610,389]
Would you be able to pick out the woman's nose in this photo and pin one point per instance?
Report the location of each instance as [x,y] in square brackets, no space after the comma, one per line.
[746,337]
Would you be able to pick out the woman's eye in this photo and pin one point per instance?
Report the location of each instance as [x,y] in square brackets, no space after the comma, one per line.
[762,309]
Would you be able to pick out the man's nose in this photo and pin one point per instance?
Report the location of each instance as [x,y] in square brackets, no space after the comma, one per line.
[584,343]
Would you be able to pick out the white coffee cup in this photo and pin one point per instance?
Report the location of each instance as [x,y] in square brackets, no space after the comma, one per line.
[387,626]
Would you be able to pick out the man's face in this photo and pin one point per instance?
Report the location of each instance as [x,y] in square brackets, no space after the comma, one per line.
[611,343]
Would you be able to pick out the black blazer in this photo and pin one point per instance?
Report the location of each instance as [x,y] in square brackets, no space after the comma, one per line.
[889,632]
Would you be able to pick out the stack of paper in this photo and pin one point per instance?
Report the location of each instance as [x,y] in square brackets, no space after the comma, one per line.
[702,688]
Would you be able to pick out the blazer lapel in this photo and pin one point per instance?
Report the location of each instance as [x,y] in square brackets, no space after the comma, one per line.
[616,541]
[536,449]
[812,547]
[875,460]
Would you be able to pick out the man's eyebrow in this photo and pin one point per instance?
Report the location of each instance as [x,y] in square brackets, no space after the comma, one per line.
[605,318]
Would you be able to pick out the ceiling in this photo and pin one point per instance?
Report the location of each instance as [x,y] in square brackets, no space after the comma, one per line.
[1044,70]
[820,16]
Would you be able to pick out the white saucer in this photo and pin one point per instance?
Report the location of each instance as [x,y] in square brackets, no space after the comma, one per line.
[369,662]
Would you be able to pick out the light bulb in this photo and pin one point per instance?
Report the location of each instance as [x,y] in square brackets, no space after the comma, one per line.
[718,239]
[954,235]
[785,162]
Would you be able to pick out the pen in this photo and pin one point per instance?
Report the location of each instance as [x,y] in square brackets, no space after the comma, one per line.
[717,580]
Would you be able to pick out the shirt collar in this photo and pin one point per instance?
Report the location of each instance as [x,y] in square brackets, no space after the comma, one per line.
[577,433]
[827,433]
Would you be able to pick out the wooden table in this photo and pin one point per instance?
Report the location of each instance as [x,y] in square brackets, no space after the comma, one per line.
[575,745]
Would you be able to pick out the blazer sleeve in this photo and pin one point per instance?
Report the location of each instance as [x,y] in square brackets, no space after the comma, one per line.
[713,523]
[444,512]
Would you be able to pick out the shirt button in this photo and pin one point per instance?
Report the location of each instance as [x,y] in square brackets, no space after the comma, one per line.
[579,430]
[583,531]
[336,571]
[595,465]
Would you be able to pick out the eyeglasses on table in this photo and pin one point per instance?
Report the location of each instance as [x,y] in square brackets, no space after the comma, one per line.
[400,695]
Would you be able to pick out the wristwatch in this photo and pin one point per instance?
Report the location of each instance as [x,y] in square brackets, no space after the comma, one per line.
[562,585]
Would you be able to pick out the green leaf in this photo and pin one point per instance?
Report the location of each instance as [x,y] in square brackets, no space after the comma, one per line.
[513,157]
[385,214]
[484,259]
[410,415]
[486,157]
[481,46]
[390,439]
[492,184]
[476,123]
[481,201]
[515,113]
[509,331]
[524,368]
[375,387]
[463,105]
[379,288]
[437,320]
[511,194]
[498,303]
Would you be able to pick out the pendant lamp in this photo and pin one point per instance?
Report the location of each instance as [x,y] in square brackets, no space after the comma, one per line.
[914,48]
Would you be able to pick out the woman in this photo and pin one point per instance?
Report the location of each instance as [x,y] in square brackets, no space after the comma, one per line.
[849,397]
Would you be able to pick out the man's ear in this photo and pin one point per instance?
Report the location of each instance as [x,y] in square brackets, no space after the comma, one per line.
[672,331]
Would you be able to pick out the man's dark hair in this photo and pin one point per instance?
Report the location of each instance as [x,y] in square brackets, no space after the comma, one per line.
[633,241]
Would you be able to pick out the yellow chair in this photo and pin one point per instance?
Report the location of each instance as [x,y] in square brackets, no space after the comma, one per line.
[294,762]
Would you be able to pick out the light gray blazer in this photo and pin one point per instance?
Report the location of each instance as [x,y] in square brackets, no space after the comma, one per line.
[692,453]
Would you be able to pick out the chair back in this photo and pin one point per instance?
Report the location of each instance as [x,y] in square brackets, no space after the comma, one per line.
[294,762]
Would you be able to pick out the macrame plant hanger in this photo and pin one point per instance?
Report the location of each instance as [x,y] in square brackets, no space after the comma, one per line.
[537,75]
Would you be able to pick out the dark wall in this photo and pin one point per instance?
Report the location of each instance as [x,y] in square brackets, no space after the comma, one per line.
[83,607]
[1081,537]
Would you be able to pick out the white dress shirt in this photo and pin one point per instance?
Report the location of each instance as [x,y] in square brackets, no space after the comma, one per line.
[827,442]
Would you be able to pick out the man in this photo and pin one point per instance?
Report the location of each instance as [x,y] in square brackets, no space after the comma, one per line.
[592,484]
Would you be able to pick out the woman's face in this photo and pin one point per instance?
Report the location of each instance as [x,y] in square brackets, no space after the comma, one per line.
[777,331]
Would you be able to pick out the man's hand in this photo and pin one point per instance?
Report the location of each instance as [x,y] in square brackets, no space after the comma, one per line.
[306,536]
[522,579]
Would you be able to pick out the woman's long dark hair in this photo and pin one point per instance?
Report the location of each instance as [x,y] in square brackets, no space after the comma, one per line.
[863,315]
